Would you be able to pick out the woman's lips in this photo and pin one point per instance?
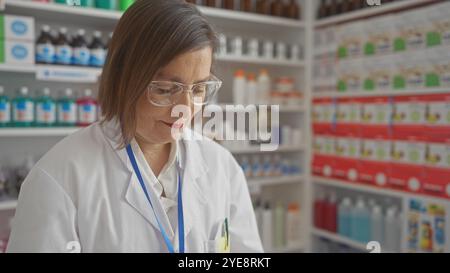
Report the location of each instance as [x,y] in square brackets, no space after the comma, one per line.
[174,125]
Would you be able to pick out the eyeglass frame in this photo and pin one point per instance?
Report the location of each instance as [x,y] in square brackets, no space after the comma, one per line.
[185,88]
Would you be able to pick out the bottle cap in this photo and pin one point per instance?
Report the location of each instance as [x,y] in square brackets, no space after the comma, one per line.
[81,32]
[24,90]
[97,34]
[376,209]
[2,89]
[46,91]
[347,201]
[251,77]
[45,28]
[239,73]
[63,30]
[88,92]
[68,92]
[293,206]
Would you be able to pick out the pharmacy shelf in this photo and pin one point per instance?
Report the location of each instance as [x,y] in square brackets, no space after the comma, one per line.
[289,249]
[93,16]
[257,149]
[283,108]
[8,204]
[372,189]
[336,94]
[272,181]
[339,239]
[245,17]
[17,68]
[37,131]
[371,11]
[63,13]
[259,61]
[75,72]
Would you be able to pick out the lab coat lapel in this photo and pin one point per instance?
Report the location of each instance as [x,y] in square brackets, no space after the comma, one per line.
[134,194]
[194,196]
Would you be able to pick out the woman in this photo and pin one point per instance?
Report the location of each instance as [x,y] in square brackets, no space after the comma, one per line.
[127,184]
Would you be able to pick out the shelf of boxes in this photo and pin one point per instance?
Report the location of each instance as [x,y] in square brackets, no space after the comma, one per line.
[371,11]
[388,93]
[236,22]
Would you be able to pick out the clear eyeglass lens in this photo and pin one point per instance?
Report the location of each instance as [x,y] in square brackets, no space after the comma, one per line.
[167,93]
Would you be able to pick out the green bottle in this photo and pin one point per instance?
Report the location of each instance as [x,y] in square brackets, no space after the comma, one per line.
[106,4]
[45,111]
[125,4]
[23,109]
[5,109]
[67,109]
[81,3]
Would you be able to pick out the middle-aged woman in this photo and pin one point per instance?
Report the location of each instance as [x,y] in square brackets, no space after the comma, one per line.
[127,184]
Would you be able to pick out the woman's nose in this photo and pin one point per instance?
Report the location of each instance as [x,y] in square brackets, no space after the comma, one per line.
[185,99]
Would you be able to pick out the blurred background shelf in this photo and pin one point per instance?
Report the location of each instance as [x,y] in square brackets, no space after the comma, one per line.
[339,239]
[102,17]
[257,149]
[8,204]
[372,189]
[262,61]
[37,131]
[276,180]
[381,93]
[371,11]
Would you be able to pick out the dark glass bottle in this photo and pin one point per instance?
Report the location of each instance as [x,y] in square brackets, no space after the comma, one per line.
[209,3]
[263,6]
[292,10]
[322,11]
[246,5]
[228,4]
[276,8]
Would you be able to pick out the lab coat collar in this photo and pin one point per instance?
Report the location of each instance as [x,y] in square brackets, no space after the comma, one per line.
[193,167]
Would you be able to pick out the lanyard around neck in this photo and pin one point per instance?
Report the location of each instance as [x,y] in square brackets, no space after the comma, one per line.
[180,205]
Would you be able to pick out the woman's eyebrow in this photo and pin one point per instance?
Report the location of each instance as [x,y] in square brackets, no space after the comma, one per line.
[177,79]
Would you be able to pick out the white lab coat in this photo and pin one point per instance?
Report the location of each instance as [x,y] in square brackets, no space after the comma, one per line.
[84,190]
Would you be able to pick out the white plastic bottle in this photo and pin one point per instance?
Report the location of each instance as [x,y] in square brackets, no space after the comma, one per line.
[239,87]
[293,222]
[377,224]
[264,86]
[280,220]
[391,231]
[252,89]
[267,235]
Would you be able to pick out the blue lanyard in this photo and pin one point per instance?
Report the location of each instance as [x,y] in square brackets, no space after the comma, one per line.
[180,205]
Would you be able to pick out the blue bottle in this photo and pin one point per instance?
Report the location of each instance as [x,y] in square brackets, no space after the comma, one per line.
[360,222]
[344,218]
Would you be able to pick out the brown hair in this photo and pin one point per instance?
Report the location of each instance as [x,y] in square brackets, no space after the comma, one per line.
[148,36]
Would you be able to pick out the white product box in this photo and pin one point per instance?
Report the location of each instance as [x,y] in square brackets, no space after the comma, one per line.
[17,28]
[13,52]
